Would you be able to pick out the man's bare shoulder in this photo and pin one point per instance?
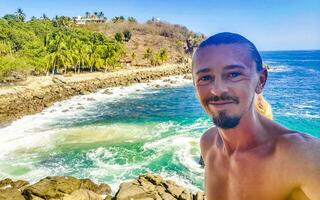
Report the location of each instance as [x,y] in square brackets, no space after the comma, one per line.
[296,141]
[300,148]
[208,136]
[301,158]
[292,142]
[207,140]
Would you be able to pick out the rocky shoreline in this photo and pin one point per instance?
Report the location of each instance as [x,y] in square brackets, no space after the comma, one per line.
[145,187]
[34,95]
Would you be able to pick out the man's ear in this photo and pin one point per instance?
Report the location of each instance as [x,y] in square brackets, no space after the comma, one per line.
[262,80]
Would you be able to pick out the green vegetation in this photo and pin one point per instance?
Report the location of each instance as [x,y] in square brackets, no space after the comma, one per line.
[132,20]
[43,46]
[118,37]
[157,58]
[118,19]
[147,53]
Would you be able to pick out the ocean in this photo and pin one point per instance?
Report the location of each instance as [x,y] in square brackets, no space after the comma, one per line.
[148,127]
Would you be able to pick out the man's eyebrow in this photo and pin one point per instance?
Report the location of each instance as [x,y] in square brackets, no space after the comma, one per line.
[203,71]
[234,66]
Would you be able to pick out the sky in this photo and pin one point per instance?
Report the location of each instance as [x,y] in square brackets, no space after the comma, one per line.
[269,24]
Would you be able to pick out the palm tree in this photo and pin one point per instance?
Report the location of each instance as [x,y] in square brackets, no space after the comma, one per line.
[84,55]
[20,15]
[75,47]
[92,56]
[87,14]
[59,54]
[67,54]
[101,15]
[33,18]
[62,21]
[44,16]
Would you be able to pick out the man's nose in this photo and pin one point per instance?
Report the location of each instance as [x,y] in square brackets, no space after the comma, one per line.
[218,87]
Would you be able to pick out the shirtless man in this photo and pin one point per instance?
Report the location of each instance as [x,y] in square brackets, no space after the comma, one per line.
[246,155]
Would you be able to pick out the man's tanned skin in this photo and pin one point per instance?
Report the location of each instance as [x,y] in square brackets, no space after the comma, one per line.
[252,158]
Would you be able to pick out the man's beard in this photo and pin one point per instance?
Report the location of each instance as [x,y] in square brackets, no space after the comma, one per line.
[224,121]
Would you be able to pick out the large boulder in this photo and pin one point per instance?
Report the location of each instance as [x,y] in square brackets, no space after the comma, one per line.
[154,187]
[11,190]
[82,194]
[58,187]
[11,193]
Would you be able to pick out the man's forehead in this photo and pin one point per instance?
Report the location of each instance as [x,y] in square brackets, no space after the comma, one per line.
[238,66]
[225,55]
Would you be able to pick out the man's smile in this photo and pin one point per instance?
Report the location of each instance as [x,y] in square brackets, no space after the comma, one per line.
[219,104]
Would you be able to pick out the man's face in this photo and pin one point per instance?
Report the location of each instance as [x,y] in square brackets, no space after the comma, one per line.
[225,80]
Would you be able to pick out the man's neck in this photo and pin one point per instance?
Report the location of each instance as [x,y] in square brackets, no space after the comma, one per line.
[249,133]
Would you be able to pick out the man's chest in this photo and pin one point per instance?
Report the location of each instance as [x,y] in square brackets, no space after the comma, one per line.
[245,177]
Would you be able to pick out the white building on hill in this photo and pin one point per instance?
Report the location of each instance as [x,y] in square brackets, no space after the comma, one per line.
[89,20]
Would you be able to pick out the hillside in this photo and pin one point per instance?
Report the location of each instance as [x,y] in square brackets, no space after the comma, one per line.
[43,46]
[155,35]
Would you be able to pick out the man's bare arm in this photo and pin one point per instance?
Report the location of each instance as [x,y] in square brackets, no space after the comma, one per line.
[311,181]
[307,158]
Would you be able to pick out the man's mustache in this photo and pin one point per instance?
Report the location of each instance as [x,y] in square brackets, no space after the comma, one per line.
[223,97]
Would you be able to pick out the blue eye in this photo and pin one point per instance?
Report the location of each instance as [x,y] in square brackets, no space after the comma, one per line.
[234,74]
[205,78]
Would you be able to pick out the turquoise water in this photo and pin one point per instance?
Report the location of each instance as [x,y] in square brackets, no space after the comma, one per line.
[143,128]
[293,89]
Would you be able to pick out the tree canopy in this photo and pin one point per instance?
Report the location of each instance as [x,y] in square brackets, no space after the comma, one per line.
[43,46]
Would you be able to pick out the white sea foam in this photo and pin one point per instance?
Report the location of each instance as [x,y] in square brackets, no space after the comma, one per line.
[24,141]
[194,128]
[186,150]
[279,68]
[104,166]
[98,153]
[271,62]
[313,71]
[189,155]
[304,114]
[303,106]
